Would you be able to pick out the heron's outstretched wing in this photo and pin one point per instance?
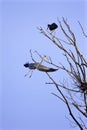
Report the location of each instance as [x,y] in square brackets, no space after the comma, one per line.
[44,68]
[39,67]
[47,69]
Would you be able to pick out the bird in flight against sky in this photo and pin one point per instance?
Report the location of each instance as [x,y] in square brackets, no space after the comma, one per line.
[52,26]
[38,66]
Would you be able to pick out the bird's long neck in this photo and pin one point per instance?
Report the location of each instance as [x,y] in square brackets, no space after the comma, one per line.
[40,62]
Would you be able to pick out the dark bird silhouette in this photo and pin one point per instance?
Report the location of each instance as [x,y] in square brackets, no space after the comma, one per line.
[52,26]
[39,67]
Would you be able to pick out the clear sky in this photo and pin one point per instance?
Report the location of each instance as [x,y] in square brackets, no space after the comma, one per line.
[27,104]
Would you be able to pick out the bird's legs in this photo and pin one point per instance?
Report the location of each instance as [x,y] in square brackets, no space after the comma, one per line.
[28,73]
[31,74]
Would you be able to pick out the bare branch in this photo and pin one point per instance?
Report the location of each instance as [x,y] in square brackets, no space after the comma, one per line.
[66,101]
[82,29]
[77,107]
[76,70]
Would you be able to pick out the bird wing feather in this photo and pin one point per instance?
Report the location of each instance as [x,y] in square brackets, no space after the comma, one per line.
[43,68]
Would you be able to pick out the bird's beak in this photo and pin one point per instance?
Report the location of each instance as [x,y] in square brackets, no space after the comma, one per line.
[26,65]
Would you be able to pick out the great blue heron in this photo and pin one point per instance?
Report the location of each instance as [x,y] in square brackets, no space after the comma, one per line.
[52,26]
[38,66]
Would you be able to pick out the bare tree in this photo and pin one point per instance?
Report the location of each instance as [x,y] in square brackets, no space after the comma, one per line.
[73,95]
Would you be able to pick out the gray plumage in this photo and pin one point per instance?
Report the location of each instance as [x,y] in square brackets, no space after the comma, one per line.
[39,67]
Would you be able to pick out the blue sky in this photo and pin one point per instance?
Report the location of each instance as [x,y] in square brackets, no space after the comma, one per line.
[27,104]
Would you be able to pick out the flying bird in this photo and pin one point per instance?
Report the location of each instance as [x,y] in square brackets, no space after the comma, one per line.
[39,67]
[52,26]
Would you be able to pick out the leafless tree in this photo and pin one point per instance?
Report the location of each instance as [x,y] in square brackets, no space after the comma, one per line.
[74,94]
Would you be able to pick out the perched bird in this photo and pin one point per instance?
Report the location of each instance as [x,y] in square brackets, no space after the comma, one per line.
[52,26]
[39,67]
